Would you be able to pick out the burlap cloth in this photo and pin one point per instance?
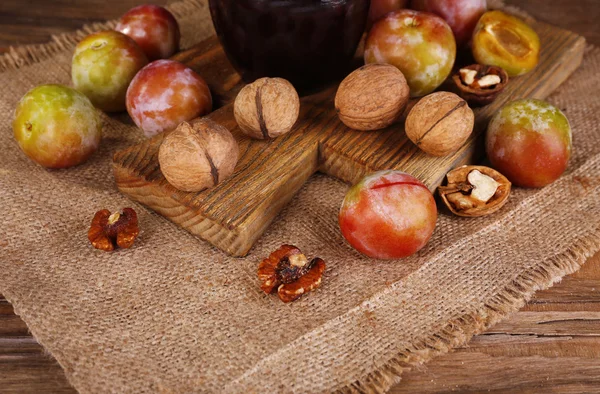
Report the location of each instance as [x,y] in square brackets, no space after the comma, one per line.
[173,314]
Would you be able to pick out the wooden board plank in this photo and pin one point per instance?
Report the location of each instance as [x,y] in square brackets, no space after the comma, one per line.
[25,367]
[551,345]
[234,214]
[535,374]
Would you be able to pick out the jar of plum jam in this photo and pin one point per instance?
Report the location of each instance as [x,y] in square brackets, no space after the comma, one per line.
[308,42]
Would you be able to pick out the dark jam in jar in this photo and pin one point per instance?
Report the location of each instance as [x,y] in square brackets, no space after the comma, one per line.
[308,42]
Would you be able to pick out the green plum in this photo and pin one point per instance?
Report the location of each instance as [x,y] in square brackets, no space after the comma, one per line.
[529,142]
[419,44]
[56,126]
[103,66]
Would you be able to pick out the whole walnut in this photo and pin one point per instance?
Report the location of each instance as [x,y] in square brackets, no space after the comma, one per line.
[197,155]
[372,97]
[267,108]
[440,123]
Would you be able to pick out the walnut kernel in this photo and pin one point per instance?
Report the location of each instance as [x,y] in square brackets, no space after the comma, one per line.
[475,191]
[289,272]
[479,84]
[109,231]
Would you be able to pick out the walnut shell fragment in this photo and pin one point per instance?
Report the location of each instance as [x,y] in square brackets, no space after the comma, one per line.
[474,191]
[267,108]
[109,231]
[480,85]
[372,97]
[289,272]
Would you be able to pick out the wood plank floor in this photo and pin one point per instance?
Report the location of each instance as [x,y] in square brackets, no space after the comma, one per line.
[551,345]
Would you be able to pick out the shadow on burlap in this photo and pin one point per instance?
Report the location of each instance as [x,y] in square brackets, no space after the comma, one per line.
[173,314]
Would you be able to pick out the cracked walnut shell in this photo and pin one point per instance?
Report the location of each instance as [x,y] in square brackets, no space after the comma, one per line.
[267,108]
[197,155]
[474,191]
[109,231]
[372,97]
[480,85]
[289,272]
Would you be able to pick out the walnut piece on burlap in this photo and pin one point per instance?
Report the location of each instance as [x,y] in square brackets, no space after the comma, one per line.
[173,314]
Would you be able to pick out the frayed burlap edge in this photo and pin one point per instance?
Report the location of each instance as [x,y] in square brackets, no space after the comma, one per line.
[25,55]
[456,332]
[459,331]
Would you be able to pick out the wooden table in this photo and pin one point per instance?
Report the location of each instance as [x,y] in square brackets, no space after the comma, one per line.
[551,345]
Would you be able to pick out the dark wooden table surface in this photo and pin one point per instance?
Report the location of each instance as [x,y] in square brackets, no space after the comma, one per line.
[551,345]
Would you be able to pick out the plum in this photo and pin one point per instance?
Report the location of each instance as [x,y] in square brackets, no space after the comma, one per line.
[153,28]
[164,94]
[104,64]
[506,41]
[419,44]
[461,15]
[529,141]
[388,215]
[56,126]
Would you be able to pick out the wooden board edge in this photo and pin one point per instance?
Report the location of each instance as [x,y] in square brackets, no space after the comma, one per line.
[154,197]
[236,241]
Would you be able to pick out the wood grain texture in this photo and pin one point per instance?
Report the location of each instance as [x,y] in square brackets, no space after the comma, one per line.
[35,21]
[24,365]
[472,368]
[235,213]
[578,16]
[552,345]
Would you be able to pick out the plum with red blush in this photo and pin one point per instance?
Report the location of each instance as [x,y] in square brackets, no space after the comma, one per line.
[164,94]
[153,28]
[388,215]
[529,141]
[461,15]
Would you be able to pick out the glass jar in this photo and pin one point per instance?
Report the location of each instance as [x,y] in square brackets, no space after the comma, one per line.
[308,42]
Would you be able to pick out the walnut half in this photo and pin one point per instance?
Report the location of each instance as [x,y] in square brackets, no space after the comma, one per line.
[475,191]
[478,84]
[289,272]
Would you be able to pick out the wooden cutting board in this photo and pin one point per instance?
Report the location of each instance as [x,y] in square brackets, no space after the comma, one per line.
[235,213]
